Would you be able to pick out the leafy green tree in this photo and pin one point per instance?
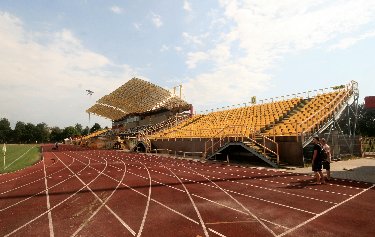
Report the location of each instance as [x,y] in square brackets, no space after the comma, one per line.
[70,132]
[95,128]
[85,131]
[79,128]
[366,121]
[30,133]
[56,134]
[19,132]
[42,133]
[5,130]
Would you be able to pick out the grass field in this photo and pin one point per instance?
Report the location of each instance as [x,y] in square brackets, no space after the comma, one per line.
[19,156]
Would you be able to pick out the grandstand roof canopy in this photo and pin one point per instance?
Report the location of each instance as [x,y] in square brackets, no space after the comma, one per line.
[135,97]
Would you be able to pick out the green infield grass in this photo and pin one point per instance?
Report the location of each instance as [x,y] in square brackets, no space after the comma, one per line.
[19,156]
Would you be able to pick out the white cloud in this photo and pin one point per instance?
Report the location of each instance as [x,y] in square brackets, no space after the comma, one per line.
[164,48]
[47,82]
[137,26]
[196,40]
[116,9]
[194,58]
[187,6]
[156,20]
[178,48]
[260,34]
[350,41]
[231,84]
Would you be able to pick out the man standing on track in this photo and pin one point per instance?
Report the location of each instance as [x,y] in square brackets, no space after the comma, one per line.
[317,162]
[327,161]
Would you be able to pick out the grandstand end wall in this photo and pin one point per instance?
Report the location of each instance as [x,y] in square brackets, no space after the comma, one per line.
[178,144]
[290,150]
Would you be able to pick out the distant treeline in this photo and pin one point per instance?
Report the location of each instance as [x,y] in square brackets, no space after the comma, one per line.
[40,133]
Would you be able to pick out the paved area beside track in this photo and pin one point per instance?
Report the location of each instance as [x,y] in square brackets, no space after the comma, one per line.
[361,169]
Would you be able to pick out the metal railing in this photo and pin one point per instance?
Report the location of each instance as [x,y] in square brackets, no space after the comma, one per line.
[244,134]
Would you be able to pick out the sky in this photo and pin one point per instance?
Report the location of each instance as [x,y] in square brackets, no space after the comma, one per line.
[222,52]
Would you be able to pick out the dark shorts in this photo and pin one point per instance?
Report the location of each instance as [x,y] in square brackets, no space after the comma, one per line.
[326,165]
[317,166]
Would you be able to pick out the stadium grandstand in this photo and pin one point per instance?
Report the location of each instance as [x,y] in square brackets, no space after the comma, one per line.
[148,118]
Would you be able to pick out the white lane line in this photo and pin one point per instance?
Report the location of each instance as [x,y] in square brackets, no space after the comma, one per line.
[246,195]
[322,213]
[23,200]
[149,196]
[288,177]
[234,209]
[98,198]
[22,176]
[34,219]
[206,198]
[192,202]
[148,203]
[144,195]
[21,186]
[163,205]
[100,207]
[217,203]
[215,232]
[238,202]
[50,221]
[270,189]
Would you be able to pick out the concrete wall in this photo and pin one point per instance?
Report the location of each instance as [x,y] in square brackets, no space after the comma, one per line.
[187,145]
[290,150]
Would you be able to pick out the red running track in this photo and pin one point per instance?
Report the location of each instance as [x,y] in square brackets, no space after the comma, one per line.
[77,192]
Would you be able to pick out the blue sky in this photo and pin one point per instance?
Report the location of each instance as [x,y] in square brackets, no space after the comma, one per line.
[222,52]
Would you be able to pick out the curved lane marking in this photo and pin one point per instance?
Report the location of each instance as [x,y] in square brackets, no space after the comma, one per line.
[192,202]
[238,202]
[100,200]
[50,221]
[324,212]
[100,207]
[63,201]
[63,181]
[148,202]
[24,185]
[217,203]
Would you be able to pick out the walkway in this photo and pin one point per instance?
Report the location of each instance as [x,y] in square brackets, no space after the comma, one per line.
[362,169]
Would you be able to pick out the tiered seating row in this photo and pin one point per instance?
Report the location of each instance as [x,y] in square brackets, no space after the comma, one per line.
[95,134]
[304,118]
[231,122]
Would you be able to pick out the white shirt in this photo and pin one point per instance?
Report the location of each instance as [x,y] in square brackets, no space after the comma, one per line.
[328,151]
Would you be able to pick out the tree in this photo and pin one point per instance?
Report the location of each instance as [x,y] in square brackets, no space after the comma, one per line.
[5,130]
[19,132]
[95,128]
[70,132]
[29,135]
[85,131]
[56,134]
[78,127]
[42,133]
[366,121]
